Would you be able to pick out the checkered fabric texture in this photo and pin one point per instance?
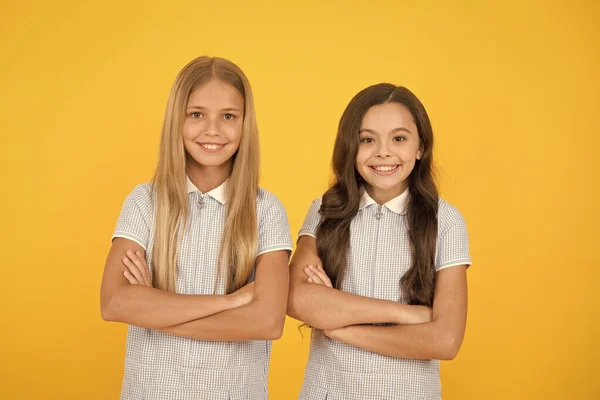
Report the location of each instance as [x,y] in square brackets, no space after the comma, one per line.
[160,366]
[379,256]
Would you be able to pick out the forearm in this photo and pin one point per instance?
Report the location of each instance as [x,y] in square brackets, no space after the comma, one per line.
[439,339]
[432,340]
[249,322]
[151,308]
[326,308]
[261,319]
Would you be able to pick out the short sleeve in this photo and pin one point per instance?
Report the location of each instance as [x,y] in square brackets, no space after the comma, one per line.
[453,242]
[312,220]
[273,226]
[133,222]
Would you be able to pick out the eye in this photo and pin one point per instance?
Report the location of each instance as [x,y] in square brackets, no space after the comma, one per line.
[399,139]
[196,115]
[228,117]
[367,140]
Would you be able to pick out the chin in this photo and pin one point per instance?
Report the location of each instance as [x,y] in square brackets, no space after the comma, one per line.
[388,187]
[383,183]
[213,163]
[210,161]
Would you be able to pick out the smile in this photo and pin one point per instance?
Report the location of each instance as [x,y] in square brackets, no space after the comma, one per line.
[384,169]
[211,147]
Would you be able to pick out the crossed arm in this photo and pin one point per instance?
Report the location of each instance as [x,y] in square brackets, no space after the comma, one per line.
[254,312]
[419,332]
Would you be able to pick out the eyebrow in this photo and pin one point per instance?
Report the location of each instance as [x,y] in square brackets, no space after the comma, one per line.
[192,107]
[395,130]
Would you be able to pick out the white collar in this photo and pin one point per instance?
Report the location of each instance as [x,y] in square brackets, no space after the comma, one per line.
[218,193]
[396,205]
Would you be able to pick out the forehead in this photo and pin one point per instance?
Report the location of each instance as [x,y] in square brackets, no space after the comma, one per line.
[216,93]
[387,116]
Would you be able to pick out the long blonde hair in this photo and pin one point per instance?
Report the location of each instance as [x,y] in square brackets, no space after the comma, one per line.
[239,242]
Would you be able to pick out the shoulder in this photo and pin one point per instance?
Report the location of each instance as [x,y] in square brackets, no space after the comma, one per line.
[317,202]
[268,204]
[136,214]
[315,207]
[140,199]
[141,195]
[313,216]
[266,199]
[143,191]
[448,215]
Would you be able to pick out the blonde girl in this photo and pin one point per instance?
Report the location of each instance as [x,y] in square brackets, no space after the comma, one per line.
[198,263]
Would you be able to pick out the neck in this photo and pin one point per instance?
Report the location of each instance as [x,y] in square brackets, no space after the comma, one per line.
[207,178]
[382,196]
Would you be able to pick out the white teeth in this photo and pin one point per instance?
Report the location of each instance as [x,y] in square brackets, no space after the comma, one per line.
[212,146]
[385,168]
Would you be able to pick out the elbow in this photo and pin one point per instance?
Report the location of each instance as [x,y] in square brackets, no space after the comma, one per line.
[294,304]
[265,322]
[291,307]
[109,308]
[272,328]
[447,354]
[449,347]
[273,332]
[298,309]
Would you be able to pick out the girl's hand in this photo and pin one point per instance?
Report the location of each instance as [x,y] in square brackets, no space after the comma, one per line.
[243,295]
[137,272]
[316,274]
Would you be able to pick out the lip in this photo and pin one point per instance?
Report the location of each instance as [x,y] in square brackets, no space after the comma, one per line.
[385,173]
[216,150]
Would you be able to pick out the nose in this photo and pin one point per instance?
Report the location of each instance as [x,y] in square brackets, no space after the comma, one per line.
[383,151]
[212,126]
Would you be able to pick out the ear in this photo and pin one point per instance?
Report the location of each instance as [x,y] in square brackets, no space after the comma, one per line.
[420,152]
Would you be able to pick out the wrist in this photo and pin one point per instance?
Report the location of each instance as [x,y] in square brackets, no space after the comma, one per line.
[401,314]
[236,299]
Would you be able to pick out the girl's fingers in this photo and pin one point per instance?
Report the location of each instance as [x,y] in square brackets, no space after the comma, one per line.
[130,277]
[145,271]
[321,274]
[137,260]
[328,281]
[138,267]
[309,280]
[311,274]
[133,270]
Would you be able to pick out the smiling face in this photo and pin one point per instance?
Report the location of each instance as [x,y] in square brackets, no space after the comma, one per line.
[213,127]
[388,150]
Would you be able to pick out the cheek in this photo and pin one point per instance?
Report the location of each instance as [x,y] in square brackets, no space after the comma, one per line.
[188,131]
[234,131]
[409,160]
[408,154]
[361,158]
[188,144]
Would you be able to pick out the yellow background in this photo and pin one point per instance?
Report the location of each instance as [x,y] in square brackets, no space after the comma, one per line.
[513,93]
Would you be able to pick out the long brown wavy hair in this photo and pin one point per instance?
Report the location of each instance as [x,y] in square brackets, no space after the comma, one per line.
[340,203]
